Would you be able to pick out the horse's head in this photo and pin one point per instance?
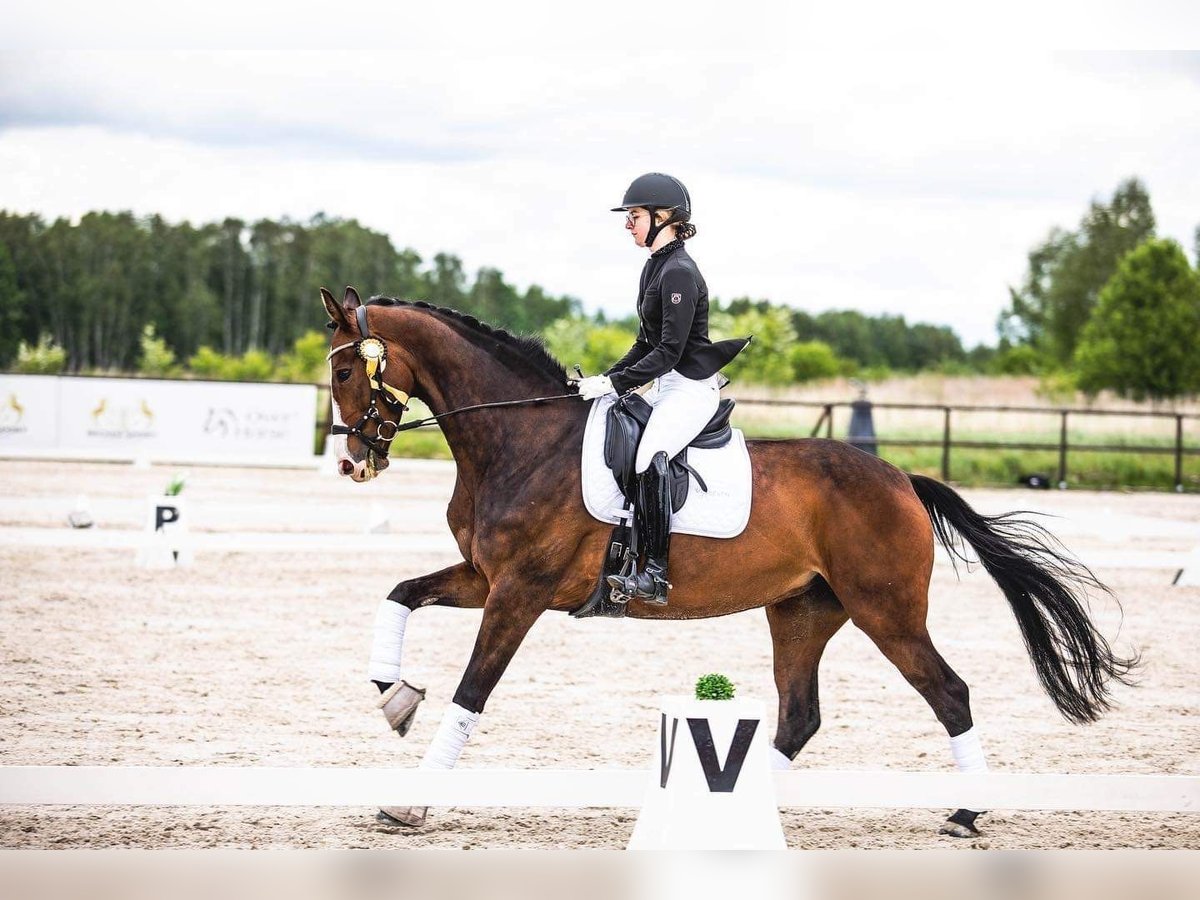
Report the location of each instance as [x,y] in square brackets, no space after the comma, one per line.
[367,405]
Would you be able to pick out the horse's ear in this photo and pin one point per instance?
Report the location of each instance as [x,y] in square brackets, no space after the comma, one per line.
[351,299]
[336,313]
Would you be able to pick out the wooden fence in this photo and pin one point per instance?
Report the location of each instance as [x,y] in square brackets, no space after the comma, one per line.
[825,422]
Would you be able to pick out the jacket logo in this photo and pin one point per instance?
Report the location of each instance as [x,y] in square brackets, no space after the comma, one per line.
[676,298]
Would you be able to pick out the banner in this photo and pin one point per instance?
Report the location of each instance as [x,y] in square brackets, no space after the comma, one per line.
[138,418]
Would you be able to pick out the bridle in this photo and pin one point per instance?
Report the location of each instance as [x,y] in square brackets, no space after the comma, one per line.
[373,352]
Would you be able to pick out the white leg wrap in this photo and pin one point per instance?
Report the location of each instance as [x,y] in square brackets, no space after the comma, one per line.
[967,753]
[778,760]
[389,642]
[457,725]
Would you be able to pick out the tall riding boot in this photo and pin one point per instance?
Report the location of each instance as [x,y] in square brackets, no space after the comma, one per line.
[654,508]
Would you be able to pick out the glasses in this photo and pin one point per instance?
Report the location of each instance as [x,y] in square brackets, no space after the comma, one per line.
[631,219]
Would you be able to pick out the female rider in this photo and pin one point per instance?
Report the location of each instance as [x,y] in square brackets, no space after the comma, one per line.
[672,354]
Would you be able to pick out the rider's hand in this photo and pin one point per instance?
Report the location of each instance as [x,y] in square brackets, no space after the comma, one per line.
[596,386]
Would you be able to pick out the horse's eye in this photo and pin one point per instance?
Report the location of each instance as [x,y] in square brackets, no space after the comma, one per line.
[343,374]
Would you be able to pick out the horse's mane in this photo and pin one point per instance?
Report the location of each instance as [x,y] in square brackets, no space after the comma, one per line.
[528,348]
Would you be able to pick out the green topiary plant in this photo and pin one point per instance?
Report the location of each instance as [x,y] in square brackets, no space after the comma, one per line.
[714,687]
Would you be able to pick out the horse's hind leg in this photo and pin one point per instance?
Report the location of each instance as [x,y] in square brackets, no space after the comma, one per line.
[801,626]
[897,626]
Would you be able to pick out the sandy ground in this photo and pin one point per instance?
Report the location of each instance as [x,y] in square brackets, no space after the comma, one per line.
[259,659]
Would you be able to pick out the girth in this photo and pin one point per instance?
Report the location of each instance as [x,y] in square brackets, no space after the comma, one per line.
[626,420]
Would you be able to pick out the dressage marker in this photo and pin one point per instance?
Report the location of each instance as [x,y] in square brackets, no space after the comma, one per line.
[166,542]
[1189,574]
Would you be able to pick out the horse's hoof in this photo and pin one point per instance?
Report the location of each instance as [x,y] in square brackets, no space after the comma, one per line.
[399,704]
[961,824]
[959,831]
[412,816]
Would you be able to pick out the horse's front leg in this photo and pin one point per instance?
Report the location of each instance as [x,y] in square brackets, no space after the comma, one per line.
[459,586]
[507,617]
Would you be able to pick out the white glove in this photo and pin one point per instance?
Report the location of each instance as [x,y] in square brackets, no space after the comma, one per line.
[596,386]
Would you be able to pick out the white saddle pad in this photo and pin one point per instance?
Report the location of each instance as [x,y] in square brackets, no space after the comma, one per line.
[721,512]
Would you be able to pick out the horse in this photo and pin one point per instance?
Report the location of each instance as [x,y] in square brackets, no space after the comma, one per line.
[834,535]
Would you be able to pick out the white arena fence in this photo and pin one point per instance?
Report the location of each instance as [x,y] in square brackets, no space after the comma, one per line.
[617,788]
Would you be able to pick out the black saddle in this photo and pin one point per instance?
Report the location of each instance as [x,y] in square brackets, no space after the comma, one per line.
[626,421]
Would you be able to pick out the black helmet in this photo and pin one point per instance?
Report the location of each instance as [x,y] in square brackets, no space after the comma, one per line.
[654,191]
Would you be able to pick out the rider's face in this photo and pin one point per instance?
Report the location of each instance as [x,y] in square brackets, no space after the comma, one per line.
[637,222]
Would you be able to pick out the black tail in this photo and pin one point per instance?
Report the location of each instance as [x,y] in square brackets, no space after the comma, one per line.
[1046,589]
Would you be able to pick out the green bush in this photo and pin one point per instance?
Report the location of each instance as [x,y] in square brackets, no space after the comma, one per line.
[207,363]
[768,358]
[253,365]
[1057,387]
[1019,360]
[47,358]
[714,687]
[812,360]
[156,357]
[575,340]
[306,363]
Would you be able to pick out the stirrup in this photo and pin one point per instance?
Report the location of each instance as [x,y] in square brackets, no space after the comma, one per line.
[629,587]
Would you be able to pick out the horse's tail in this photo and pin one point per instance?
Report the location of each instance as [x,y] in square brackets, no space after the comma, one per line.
[1046,589]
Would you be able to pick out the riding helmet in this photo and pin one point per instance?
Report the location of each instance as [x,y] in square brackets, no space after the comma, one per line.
[655,190]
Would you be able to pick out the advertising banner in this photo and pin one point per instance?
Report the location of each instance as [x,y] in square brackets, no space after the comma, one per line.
[28,411]
[159,420]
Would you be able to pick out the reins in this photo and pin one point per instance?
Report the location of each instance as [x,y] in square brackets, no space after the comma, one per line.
[420,423]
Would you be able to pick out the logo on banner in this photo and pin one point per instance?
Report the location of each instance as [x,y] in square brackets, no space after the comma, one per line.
[11,415]
[122,420]
[247,425]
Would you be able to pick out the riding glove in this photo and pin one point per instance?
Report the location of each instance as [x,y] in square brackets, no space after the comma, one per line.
[595,386]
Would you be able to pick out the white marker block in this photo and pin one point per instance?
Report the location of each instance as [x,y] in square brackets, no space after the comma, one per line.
[1189,575]
[711,786]
[378,521]
[166,545]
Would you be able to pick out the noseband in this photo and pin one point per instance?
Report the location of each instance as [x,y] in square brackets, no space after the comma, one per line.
[373,352]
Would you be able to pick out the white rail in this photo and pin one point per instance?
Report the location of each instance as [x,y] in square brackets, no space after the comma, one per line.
[821,789]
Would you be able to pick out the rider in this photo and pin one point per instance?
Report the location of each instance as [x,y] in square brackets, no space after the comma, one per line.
[672,354]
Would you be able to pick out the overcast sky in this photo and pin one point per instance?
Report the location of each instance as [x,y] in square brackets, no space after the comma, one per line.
[899,158]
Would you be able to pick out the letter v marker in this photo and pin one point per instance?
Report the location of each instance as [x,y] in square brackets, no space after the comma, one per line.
[665,760]
[722,779]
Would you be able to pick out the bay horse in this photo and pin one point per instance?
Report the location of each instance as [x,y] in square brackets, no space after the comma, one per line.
[835,535]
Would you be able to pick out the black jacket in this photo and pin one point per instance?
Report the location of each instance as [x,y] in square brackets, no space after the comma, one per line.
[673,324]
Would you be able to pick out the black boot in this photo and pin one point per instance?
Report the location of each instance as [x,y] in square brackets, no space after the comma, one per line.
[654,509]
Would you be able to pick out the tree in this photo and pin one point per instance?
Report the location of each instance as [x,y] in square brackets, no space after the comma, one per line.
[10,308]
[1068,269]
[768,359]
[1141,342]
[574,340]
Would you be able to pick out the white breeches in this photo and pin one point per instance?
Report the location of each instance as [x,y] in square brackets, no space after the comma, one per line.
[682,407]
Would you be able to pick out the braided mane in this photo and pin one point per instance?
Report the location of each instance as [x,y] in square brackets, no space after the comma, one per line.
[527,348]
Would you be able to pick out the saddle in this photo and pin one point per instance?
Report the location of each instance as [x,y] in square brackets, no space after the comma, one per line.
[626,421]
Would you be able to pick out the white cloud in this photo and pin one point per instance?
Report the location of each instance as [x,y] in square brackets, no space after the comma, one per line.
[887,181]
